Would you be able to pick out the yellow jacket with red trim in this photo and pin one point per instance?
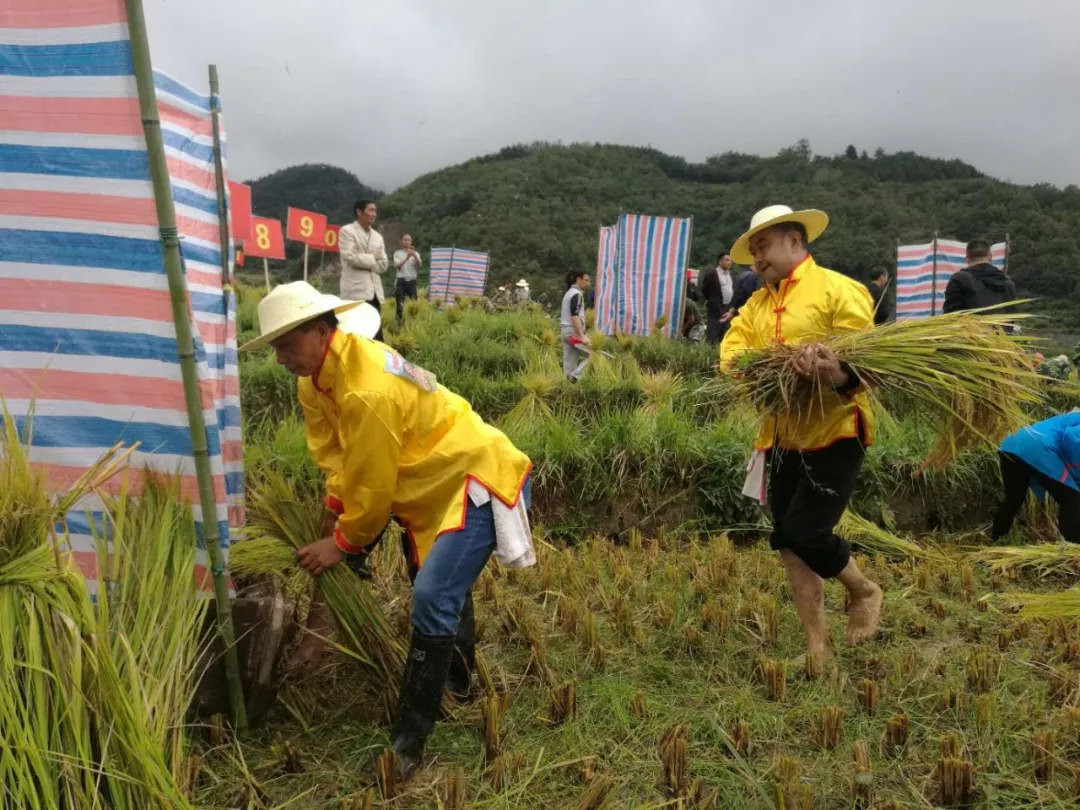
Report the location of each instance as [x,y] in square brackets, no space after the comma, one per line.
[808,306]
[389,439]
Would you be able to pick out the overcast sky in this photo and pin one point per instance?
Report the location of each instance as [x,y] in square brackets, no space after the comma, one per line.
[396,88]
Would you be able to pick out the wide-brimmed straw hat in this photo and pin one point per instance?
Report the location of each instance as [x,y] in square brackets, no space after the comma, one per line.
[523,283]
[288,306]
[813,220]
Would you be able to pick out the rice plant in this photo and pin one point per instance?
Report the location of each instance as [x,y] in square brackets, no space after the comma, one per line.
[870,537]
[1041,559]
[279,523]
[81,724]
[963,370]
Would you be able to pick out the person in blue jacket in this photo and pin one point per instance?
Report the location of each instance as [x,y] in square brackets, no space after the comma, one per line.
[1044,457]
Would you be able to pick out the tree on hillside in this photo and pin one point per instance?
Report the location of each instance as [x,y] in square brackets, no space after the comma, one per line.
[851,153]
[537,208]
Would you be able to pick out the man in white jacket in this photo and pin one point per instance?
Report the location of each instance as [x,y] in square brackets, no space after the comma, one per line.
[363,258]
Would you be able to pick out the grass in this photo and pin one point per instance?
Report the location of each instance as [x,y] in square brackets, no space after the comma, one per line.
[673,640]
[682,629]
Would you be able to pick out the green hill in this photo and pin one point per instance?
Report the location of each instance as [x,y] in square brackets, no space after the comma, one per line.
[537,208]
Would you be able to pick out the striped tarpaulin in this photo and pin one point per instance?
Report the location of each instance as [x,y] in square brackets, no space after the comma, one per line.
[87,340]
[923,272]
[457,272]
[605,280]
[914,280]
[651,269]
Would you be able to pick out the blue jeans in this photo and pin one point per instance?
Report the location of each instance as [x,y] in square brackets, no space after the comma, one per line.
[452,566]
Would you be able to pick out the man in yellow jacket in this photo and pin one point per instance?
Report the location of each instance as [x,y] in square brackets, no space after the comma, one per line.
[813,458]
[390,439]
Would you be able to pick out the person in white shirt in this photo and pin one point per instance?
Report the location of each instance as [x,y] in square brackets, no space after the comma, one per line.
[407,262]
[363,258]
[576,346]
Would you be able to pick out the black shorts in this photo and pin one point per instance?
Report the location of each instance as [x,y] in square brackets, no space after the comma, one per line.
[808,492]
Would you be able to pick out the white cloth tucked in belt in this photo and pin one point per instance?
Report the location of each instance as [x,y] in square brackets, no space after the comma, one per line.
[513,537]
[754,485]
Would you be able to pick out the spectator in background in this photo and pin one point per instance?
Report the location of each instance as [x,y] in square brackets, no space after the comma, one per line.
[501,299]
[748,283]
[363,259]
[572,325]
[718,290]
[879,291]
[407,262]
[978,285]
[521,293]
[693,326]
[693,292]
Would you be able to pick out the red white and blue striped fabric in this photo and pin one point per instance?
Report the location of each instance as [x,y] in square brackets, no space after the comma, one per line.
[923,272]
[651,272]
[87,340]
[914,280]
[457,272]
[605,280]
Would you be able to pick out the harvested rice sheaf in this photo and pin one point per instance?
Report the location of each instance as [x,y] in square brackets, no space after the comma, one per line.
[92,702]
[962,372]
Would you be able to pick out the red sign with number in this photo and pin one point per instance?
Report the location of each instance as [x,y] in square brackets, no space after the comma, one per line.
[240,211]
[306,226]
[266,240]
[330,238]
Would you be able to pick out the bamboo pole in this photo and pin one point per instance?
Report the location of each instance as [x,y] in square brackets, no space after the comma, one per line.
[174,271]
[682,282]
[305,260]
[219,172]
[266,273]
[1005,258]
[933,282]
[449,270]
[616,274]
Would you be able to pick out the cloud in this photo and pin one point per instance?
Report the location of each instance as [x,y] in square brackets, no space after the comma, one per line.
[393,90]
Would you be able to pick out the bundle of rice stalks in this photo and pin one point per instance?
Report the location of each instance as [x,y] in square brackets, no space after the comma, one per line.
[871,537]
[1043,559]
[148,609]
[278,523]
[1063,604]
[603,367]
[662,389]
[540,380]
[961,371]
[74,732]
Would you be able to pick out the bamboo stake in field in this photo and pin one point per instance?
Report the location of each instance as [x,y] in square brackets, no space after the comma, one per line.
[266,273]
[305,260]
[219,177]
[174,271]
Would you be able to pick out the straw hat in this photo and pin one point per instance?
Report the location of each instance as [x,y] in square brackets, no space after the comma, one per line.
[289,305]
[523,283]
[813,220]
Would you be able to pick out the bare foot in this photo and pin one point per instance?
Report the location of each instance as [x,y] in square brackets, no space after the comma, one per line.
[864,616]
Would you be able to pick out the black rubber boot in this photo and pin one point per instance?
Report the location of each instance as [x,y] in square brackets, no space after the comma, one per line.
[463,662]
[421,694]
